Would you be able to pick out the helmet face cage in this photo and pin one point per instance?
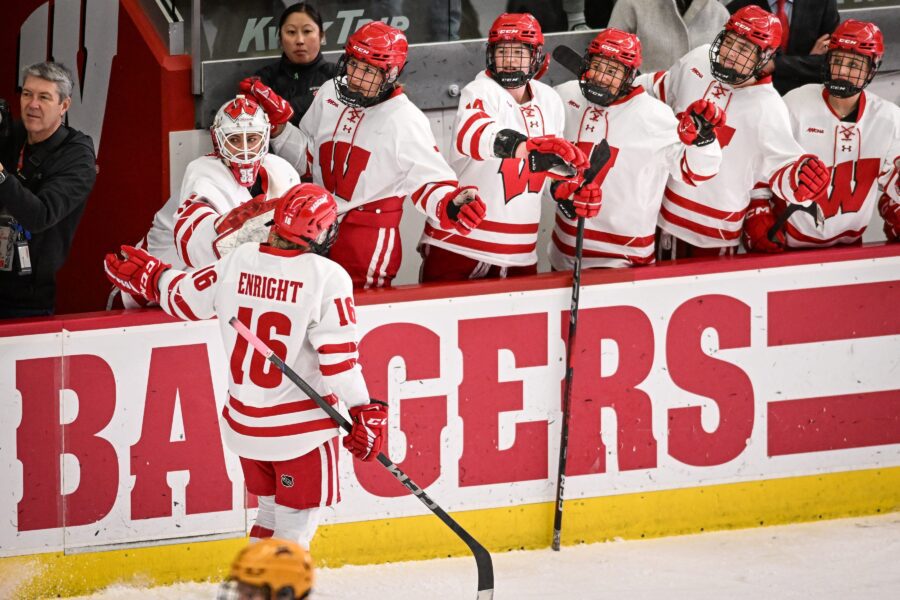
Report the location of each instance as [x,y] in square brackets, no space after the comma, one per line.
[734,59]
[365,78]
[856,71]
[514,52]
[619,80]
[240,135]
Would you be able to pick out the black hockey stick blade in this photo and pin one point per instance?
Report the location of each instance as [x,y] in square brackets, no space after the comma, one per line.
[812,209]
[483,561]
[568,58]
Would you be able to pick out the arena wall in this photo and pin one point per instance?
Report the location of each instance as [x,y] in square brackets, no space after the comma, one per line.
[708,395]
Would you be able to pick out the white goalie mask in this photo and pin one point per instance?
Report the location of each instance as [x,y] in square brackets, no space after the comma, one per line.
[240,135]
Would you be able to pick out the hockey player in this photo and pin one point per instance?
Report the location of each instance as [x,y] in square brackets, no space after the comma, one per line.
[647,144]
[506,141]
[302,304]
[363,140]
[240,169]
[757,147]
[855,133]
[270,569]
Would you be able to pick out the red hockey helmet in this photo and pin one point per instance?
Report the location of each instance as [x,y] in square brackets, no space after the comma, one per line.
[523,29]
[381,46]
[307,215]
[735,63]
[618,46]
[240,136]
[856,37]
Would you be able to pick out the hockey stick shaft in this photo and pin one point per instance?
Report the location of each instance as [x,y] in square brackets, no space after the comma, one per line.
[599,158]
[482,557]
[568,58]
[567,393]
[811,209]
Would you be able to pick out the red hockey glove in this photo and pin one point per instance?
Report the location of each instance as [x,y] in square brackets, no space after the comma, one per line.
[277,108]
[369,425]
[890,212]
[697,125]
[573,200]
[138,274]
[757,223]
[559,158]
[461,209]
[810,179]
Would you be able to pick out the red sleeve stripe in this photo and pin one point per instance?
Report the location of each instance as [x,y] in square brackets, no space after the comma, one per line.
[512,228]
[476,138]
[337,368]
[688,176]
[773,181]
[644,242]
[337,348]
[660,83]
[589,253]
[188,213]
[176,300]
[465,128]
[465,242]
[421,195]
[850,235]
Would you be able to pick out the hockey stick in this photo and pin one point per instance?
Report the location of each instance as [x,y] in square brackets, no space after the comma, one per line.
[568,58]
[482,556]
[813,209]
[599,157]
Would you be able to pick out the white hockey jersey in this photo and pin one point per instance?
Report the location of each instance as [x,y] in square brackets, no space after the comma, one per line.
[511,192]
[860,155]
[301,305]
[645,150]
[183,232]
[369,158]
[758,150]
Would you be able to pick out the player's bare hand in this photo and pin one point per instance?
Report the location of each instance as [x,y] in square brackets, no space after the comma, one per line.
[821,45]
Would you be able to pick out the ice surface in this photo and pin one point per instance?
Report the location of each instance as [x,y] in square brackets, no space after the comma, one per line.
[843,559]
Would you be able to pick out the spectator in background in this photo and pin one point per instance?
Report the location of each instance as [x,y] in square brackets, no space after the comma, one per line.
[806,28]
[47,171]
[565,15]
[669,29]
[301,70]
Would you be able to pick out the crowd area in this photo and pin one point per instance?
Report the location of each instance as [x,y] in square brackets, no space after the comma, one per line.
[749,127]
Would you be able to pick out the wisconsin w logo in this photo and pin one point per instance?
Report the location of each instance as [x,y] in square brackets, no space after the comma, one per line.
[517,177]
[851,182]
[342,164]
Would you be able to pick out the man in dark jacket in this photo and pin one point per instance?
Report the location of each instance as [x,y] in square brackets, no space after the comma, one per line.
[47,171]
[809,24]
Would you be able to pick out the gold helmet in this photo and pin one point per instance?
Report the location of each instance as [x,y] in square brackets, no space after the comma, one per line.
[270,569]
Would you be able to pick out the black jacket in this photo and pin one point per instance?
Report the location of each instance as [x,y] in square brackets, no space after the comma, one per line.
[297,83]
[47,198]
[810,20]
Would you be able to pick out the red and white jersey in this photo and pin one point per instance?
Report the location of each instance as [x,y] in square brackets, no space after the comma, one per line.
[301,305]
[511,192]
[860,155]
[369,158]
[758,151]
[645,150]
[182,233]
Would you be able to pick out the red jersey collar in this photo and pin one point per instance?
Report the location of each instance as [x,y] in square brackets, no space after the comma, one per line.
[859,109]
[267,249]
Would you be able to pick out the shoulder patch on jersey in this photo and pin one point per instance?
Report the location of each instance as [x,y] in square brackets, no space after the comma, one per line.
[697,72]
[574,104]
[815,130]
[477,105]
[332,102]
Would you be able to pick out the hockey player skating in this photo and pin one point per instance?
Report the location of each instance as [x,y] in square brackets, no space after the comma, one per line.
[758,149]
[270,569]
[506,141]
[219,191]
[855,133]
[647,144]
[363,140]
[302,304]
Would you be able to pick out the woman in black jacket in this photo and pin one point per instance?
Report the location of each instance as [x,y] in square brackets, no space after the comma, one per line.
[301,70]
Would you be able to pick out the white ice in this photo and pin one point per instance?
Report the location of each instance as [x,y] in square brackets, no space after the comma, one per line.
[843,559]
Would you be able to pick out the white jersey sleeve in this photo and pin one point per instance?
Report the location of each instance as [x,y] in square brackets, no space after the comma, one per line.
[294,143]
[427,176]
[778,152]
[476,126]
